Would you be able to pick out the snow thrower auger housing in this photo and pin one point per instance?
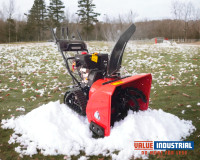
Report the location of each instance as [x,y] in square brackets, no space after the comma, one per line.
[102,94]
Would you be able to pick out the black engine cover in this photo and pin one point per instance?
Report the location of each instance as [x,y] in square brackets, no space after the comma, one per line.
[94,75]
[85,61]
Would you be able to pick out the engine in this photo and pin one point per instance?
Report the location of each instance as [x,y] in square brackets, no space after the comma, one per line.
[91,67]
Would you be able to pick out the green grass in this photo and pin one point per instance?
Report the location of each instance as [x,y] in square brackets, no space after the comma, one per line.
[171,91]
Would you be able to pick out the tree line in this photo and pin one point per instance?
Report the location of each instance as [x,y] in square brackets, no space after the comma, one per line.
[185,23]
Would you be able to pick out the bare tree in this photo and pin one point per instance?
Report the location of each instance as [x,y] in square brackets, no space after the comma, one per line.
[17,22]
[188,10]
[177,9]
[106,29]
[10,10]
[197,21]
[67,16]
[131,16]
[1,15]
[183,13]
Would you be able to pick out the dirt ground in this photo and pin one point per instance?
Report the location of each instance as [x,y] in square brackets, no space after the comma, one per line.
[195,43]
[198,43]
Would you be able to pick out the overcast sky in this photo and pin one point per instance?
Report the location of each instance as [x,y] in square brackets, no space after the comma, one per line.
[145,9]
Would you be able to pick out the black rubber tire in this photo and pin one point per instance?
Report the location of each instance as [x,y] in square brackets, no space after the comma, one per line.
[66,94]
[76,103]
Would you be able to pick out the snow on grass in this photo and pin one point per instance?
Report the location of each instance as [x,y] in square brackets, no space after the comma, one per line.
[41,63]
[55,129]
[20,109]
[162,60]
[188,106]
[83,158]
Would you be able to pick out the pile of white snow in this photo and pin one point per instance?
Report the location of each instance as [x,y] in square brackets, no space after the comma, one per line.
[55,129]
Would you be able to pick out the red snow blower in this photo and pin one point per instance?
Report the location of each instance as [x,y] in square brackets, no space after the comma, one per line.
[99,91]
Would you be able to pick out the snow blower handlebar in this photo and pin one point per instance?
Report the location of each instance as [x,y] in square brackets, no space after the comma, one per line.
[65,45]
[79,35]
[68,68]
[54,35]
[69,71]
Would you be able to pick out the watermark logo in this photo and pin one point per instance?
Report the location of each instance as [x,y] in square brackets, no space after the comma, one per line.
[143,145]
[173,145]
[170,147]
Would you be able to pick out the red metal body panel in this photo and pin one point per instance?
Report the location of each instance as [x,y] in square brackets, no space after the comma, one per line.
[100,97]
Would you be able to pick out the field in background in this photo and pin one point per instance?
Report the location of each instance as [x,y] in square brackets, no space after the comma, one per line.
[32,74]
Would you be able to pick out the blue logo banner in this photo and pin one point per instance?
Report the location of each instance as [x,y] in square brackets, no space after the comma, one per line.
[173,145]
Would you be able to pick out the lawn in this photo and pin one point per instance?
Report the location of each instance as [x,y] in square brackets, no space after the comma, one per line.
[32,74]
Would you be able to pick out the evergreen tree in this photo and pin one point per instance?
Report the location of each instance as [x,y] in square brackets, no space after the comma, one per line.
[56,13]
[36,18]
[87,14]
[43,16]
